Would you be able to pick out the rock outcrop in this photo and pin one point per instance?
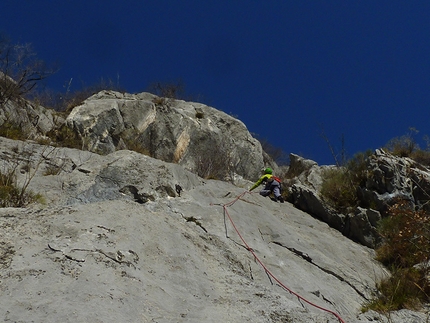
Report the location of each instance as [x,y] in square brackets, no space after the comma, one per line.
[193,135]
[32,119]
[389,178]
[115,242]
[304,191]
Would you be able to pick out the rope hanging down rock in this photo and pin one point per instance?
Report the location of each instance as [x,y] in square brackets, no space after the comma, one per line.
[268,272]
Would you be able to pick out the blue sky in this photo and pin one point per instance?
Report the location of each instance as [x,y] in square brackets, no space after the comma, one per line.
[288,69]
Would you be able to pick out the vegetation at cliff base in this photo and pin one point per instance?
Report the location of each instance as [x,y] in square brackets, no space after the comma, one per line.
[406,253]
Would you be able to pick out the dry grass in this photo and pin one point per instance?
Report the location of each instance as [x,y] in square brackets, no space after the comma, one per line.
[339,187]
[13,196]
[406,252]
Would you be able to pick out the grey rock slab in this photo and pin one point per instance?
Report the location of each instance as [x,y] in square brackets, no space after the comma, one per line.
[121,261]
[93,253]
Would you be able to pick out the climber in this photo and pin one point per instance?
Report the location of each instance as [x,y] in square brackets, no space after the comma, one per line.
[272,184]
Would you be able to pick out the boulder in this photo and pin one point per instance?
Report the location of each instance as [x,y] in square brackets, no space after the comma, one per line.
[191,134]
[304,192]
[309,201]
[361,226]
[299,165]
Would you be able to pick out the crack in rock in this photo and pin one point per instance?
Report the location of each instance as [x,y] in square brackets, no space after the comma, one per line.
[306,257]
[196,221]
[116,257]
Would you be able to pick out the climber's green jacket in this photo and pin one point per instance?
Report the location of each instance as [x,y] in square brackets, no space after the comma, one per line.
[264,178]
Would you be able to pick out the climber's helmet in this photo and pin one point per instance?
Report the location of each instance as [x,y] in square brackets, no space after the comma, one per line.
[268,170]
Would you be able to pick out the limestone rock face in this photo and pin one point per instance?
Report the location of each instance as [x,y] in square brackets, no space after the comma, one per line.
[116,241]
[392,177]
[304,192]
[191,134]
[388,178]
[361,226]
[33,120]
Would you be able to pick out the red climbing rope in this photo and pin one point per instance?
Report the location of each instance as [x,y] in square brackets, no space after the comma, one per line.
[265,268]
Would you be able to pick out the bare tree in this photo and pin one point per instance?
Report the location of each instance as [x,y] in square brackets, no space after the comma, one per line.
[276,153]
[20,70]
[343,158]
[173,91]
